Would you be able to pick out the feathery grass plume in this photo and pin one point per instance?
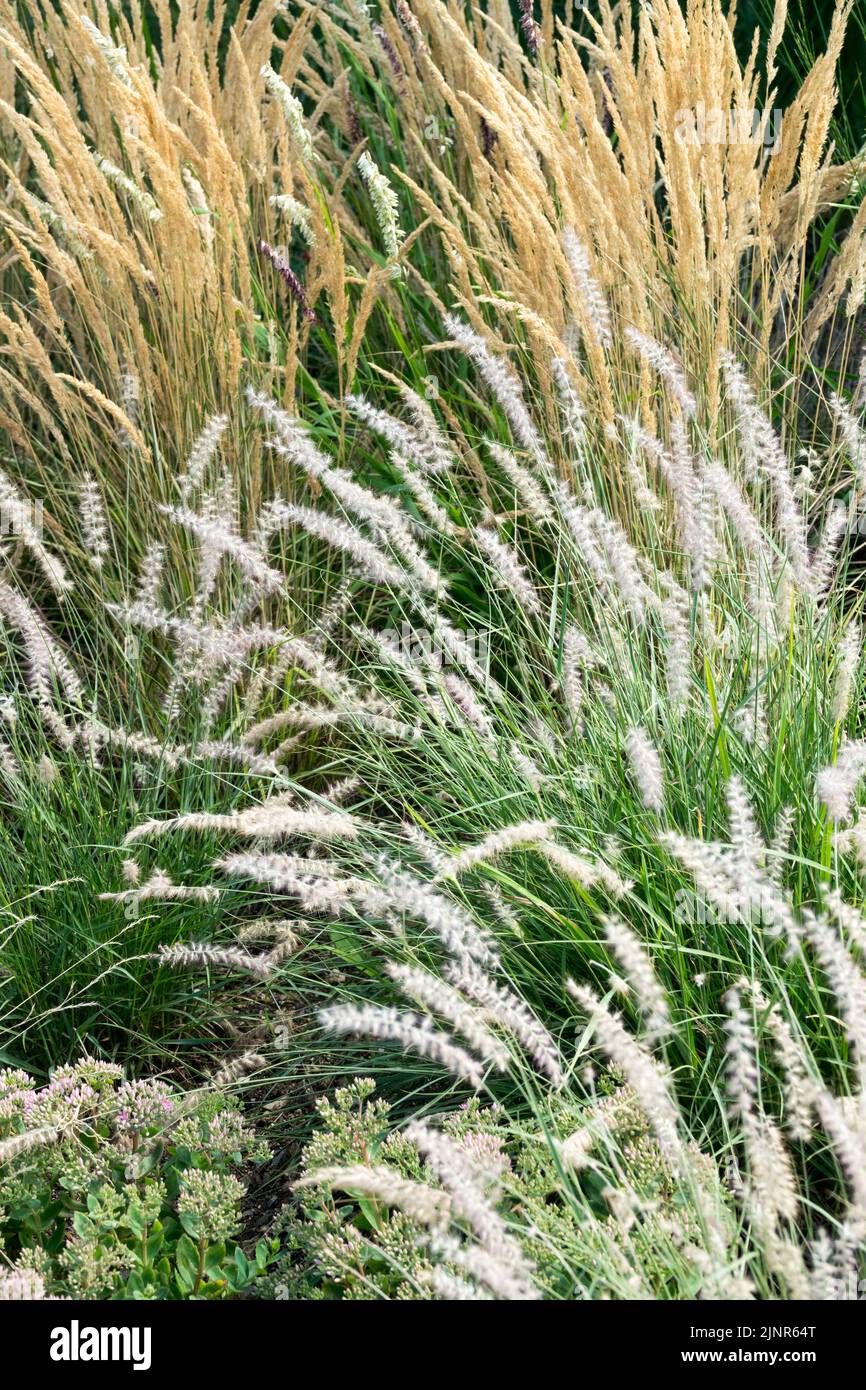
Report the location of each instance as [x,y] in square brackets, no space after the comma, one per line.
[497,1260]
[530,492]
[236,1068]
[503,383]
[578,658]
[415,1034]
[778,848]
[94,526]
[837,784]
[297,215]
[290,433]
[9,765]
[440,454]
[371,562]
[150,577]
[853,437]
[131,871]
[316,893]
[497,842]
[853,841]
[448,1003]
[47,664]
[846,1138]
[425,499]
[639,441]
[739,888]
[824,1277]
[742,1064]
[460,935]
[160,888]
[306,864]
[692,506]
[48,771]
[639,972]
[623,577]
[670,371]
[218,535]
[771,1190]
[384,516]
[18,1144]
[573,415]
[850,920]
[502,1006]
[847,660]
[507,571]
[21,521]
[195,956]
[451,1288]
[293,110]
[588,872]
[425,846]
[282,935]
[747,529]
[748,845]
[847,982]
[273,820]
[470,706]
[301,717]
[201,455]
[674,612]
[385,204]
[587,288]
[422,448]
[114,54]
[646,768]
[454,644]
[527,767]
[651,1082]
[766,458]
[139,196]
[429,1205]
[799,1085]
[825,558]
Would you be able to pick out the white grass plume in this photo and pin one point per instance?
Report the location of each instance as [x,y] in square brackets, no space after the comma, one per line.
[503,383]
[496,843]
[638,971]
[195,956]
[507,572]
[411,1031]
[511,1012]
[587,287]
[266,822]
[446,1001]
[646,768]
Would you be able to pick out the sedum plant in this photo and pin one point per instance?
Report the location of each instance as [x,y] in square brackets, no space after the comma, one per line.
[122,1189]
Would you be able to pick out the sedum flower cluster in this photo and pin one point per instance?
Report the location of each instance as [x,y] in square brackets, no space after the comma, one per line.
[121,1189]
